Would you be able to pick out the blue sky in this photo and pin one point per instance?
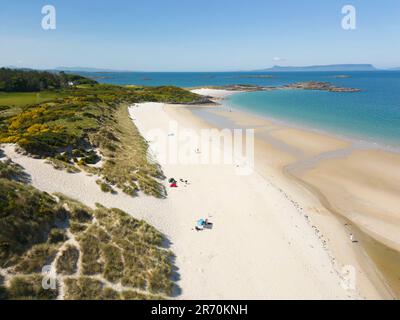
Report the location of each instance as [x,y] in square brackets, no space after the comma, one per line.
[203,35]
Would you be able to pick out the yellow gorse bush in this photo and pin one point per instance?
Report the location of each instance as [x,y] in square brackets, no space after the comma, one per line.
[37,128]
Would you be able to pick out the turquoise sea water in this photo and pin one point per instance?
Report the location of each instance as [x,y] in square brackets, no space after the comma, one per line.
[372,115]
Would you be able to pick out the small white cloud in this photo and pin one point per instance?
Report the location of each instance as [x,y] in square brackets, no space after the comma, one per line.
[279,59]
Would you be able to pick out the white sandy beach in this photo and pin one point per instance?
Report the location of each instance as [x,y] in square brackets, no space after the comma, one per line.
[261,246]
[345,188]
[214,93]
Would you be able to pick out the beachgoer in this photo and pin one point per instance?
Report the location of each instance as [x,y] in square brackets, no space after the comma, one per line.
[352,239]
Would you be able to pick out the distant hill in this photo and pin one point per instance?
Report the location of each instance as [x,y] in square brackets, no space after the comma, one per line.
[17,68]
[85,69]
[395,69]
[332,67]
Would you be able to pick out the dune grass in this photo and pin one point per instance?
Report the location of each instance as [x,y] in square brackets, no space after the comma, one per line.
[27,216]
[113,263]
[127,166]
[3,290]
[29,288]
[36,258]
[12,171]
[98,247]
[85,288]
[92,262]
[57,235]
[67,263]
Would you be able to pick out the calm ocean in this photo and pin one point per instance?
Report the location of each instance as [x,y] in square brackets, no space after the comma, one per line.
[372,115]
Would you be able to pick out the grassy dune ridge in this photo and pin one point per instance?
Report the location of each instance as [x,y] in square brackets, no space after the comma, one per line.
[97,254]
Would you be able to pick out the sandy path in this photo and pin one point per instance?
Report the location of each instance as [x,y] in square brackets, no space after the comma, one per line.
[261,245]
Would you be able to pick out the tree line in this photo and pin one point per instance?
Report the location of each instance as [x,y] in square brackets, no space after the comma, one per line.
[15,80]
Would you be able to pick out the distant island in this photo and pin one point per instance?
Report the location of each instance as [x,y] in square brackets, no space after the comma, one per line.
[332,67]
[308,85]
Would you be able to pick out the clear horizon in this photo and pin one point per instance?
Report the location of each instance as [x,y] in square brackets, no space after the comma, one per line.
[101,69]
[178,35]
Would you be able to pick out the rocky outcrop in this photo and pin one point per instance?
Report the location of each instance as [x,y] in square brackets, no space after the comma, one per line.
[309,85]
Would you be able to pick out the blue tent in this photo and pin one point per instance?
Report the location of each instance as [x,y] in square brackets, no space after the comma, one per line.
[201,223]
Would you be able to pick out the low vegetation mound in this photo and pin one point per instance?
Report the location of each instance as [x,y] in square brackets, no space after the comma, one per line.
[87,253]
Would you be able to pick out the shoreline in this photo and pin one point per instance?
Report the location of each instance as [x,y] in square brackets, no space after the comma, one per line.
[316,186]
[358,141]
[181,114]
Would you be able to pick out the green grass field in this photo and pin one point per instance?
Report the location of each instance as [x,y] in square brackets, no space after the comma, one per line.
[20,99]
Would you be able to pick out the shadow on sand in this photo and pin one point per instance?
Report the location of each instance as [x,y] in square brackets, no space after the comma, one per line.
[175,276]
